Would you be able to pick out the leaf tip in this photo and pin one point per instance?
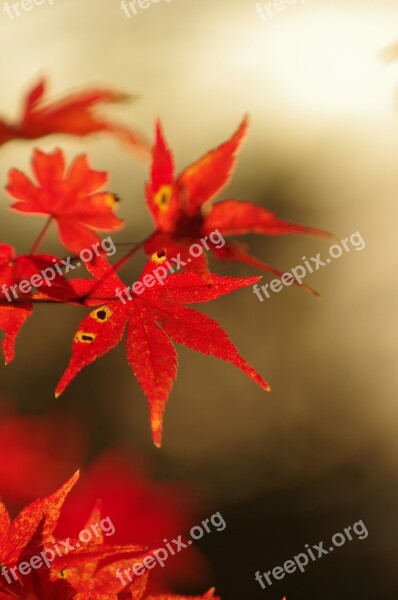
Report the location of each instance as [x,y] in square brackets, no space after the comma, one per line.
[8,358]
[156,424]
[122,97]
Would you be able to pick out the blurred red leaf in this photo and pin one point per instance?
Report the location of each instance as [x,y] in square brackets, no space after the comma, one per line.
[36,461]
[73,115]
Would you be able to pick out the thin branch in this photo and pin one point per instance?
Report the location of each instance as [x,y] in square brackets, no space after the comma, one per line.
[40,237]
[79,299]
[120,263]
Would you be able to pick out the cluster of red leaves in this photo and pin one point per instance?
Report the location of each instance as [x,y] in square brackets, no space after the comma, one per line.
[85,573]
[183,213]
[142,509]
[154,511]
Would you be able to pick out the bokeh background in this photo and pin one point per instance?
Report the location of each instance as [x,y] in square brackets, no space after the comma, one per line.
[320,452]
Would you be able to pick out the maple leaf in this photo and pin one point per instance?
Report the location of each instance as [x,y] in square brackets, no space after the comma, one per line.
[73,115]
[154,318]
[68,571]
[75,570]
[82,568]
[15,311]
[183,212]
[71,198]
[36,464]
[161,510]
[16,536]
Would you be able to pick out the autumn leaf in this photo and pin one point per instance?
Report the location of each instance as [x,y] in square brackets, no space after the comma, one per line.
[72,567]
[25,537]
[73,115]
[78,571]
[161,510]
[15,536]
[33,530]
[84,570]
[72,198]
[153,318]
[183,212]
[16,308]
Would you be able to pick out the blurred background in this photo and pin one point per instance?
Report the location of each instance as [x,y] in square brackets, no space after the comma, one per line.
[321,451]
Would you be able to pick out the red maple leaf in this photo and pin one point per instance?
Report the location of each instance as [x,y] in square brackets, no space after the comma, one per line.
[73,115]
[88,575]
[161,510]
[183,212]
[72,570]
[71,198]
[154,316]
[16,308]
[71,566]
[36,464]
[16,537]
[84,570]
